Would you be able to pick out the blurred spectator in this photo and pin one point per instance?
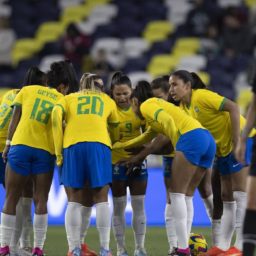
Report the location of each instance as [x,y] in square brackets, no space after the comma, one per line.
[75,45]
[210,43]
[236,33]
[199,18]
[101,65]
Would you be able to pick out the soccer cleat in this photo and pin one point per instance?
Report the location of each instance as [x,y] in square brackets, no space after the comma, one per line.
[140,252]
[87,251]
[172,251]
[121,252]
[181,252]
[232,251]
[25,251]
[104,252]
[5,251]
[37,252]
[214,251]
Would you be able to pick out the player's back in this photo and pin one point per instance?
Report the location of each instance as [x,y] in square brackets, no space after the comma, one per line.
[5,115]
[34,128]
[87,114]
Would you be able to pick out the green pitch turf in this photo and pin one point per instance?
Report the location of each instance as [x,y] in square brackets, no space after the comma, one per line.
[156,241]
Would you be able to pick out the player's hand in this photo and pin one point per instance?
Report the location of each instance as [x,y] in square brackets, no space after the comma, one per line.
[240,151]
[131,163]
[59,160]
[5,153]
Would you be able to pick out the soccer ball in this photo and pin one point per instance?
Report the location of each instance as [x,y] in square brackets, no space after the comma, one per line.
[197,244]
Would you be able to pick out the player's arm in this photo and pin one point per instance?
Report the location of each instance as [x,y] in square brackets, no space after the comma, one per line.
[161,145]
[250,121]
[234,114]
[142,139]
[113,124]
[58,113]
[11,130]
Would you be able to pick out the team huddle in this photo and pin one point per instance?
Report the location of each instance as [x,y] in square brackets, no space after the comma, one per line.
[100,142]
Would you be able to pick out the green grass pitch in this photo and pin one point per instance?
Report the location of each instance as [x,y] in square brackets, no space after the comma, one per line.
[156,241]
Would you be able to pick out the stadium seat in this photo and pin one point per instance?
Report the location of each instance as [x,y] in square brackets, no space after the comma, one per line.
[107,10]
[135,47]
[228,3]
[191,44]
[192,63]
[48,60]
[7,38]
[66,3]
[49,32]
[86,27]
[205,77]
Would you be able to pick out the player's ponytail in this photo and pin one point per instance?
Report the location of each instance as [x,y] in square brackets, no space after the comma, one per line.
[197,81]
[62,72]
[34,76]
[119,78]
[193,78]
[142,91]
[88,81]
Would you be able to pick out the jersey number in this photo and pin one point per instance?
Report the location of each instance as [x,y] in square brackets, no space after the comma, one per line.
[41,111]
[90,105]
[4,113]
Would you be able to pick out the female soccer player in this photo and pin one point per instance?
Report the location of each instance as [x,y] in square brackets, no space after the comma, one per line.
[221,117]
[31,152]
[130,127]
[86,157]
[249,231]
[195,149]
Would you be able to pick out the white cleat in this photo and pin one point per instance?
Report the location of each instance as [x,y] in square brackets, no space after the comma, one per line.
[140,252]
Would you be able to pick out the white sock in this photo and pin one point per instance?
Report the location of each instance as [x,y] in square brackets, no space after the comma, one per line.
[118,220]
[86,216]
[241,199]
[73,221]
[216,232]
[18,226]
[208,204]
[25,239]
[228,222]
[103,223]
[170,227]
[139,220]
[7,228]
[179,210]
[190,213]
[40,226]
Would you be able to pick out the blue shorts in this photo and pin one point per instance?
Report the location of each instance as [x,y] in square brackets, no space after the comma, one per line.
[26,160]
[2,170]
[167,166]
[198,146]
[228,164]
[86,162]
[139,173]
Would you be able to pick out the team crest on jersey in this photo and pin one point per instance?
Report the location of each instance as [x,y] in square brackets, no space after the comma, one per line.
[196,109]
[116,170]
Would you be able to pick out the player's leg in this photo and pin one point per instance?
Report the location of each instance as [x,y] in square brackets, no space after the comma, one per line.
[205,190]
[14,183]
[99,173]
[217,208]
[169,220]
[249,231]
[27,195]
[119,187]
[182,174]
[86,210]
[138,186]
[42,183]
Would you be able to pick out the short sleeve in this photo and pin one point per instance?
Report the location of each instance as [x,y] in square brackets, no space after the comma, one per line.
[210,100]
[113,117]
[62,104]
[19,98]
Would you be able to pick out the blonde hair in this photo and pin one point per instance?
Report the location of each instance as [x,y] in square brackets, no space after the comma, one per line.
[87,82]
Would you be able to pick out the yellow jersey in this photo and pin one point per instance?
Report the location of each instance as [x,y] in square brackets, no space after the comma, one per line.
[87,115]
[5,115]
[129,128]
[34,128]
[168,119]
[206,106]
[3,91]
